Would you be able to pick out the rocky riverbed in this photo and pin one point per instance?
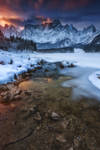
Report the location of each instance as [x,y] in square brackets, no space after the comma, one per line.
[36,113]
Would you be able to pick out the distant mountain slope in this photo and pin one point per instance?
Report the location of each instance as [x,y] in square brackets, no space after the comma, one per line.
[56,35]
[16,43]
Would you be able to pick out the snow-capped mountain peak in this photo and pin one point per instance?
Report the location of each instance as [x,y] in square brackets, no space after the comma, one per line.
[89,29]
[53,34]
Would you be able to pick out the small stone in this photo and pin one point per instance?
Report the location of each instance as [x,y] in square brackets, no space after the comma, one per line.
[4,94]
[38,67]
[38,128]
[60,138]
[17,97]
[2,63]
[55,116]
[19,66]
[31,65]
[76,142]
[42,62]
[71,148]
[3,88]
[18,92]
[46,70]
[64,124]
[71,65]
[15,76]
[27,93]
[38,117]
[33,110]
[61,66]
[11,62]
[6,98]
[12,105]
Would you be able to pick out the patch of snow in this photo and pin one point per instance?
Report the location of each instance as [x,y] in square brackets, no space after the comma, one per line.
[23,61]
[94,78]
[4,59]
[78,50]
[80,84]
[83,59]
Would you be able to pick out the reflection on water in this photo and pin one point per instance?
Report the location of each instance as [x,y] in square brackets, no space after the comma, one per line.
[49,87]
[36,83]
[49,80]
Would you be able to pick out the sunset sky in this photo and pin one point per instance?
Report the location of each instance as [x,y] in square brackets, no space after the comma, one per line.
[70,11]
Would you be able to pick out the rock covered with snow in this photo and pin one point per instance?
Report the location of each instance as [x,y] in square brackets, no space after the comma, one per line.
[14,64]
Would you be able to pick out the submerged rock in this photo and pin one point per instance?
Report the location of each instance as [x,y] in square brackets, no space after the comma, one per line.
[60,138]
[55,116]
[37,117]
[2,63]
[71,65]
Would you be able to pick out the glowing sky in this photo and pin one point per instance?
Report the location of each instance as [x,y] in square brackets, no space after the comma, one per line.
[77,11]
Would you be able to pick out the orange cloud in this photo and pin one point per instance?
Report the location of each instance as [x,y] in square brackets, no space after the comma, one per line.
[12,10]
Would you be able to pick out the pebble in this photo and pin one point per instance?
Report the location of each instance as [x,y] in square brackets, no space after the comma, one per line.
[55,116]
[60,138]
[37,117]
[71,148]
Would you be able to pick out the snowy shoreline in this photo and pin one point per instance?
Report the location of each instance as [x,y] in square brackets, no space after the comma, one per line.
[94,78]
[12,63]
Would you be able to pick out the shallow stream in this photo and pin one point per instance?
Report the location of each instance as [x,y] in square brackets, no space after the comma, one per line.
[26,124]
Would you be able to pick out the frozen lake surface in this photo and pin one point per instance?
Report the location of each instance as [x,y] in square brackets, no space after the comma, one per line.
[80,83]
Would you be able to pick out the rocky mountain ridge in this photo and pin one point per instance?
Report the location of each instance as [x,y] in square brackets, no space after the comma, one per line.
[55,35]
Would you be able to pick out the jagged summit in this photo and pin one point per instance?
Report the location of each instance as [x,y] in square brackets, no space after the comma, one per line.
[70,28]
[55,24]
[53,34]
[9,30]
[90,28]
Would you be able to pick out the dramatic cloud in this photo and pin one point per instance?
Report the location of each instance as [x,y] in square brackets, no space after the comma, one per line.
[15,11]
[14,21]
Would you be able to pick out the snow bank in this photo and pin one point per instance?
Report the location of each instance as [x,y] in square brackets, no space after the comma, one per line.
[94,78]
[13,64]
[16,63]
[81,59]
